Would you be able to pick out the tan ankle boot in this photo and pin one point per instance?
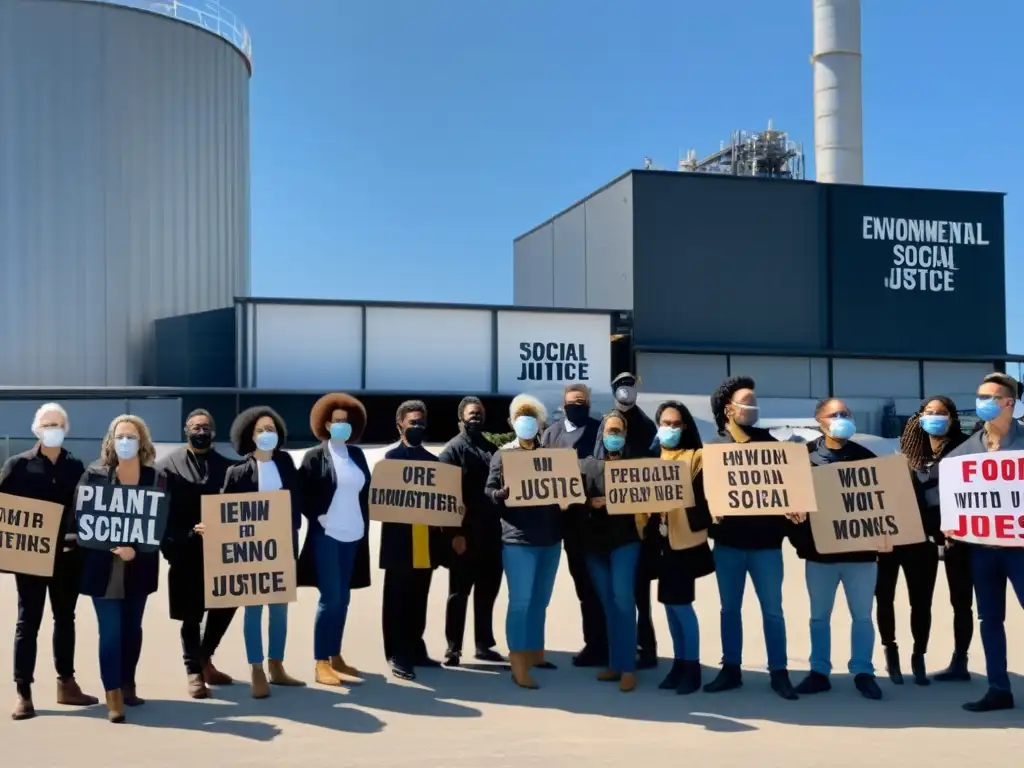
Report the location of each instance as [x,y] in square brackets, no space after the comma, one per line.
[521,663]
[628,682]
[115,706]
[260,687]
[197,687]
[279,677]
[609,676]
[23,707]
[349,674]
[324,674]
[69,694]
[213,676]
[131,696]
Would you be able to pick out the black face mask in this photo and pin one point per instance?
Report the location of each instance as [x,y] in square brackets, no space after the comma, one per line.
[577,413]
[473,426]
[414,434]
[200,440]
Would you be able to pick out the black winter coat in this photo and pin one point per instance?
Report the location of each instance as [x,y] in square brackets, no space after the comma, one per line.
[481,525]
[603,532]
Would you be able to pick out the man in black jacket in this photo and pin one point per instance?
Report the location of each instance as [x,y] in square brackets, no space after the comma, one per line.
[47,472]
[478,569]
[194,470]
[856,571]
[578,430]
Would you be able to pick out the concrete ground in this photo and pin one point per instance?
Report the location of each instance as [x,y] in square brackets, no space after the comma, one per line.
[468,718]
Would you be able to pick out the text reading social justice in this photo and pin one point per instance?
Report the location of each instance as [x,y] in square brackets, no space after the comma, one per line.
[553,361]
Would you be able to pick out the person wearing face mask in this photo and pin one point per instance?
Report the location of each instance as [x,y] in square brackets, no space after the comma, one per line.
[334,478]
[194,470]
[580,431]
[993,567]
[409,554]
[930,435]
[612,544]
[641,441]
[856,571]
[748,544]
[47,472]
[259,435]
[121,581]
[478,569]
[920,562]
[532,546]
[684,553]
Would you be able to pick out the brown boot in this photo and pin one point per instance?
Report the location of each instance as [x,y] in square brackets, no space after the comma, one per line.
[260,687]
[520,661]
[324,674]
[628,682]
[131,698]
[115,706]
[197,687]
[348,674]
[69,694]
[279,677]
[23,708]
[213,676]
[609,676]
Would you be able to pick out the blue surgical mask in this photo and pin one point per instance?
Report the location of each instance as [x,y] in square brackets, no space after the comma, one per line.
[266,441]
[935,425]
[668,437]
[341,431]
[614,443]
[526,427]
[842,428]
[987,409]
[126,448]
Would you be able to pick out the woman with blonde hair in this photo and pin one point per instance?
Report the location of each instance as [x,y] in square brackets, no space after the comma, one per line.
[531,548]
[120,581]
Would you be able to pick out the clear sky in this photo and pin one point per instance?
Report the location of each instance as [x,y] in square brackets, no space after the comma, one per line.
[399,146]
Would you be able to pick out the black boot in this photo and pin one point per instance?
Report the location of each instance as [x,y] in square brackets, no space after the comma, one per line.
[991,701]
[674,676]
[647,658]
[956,671]
[782,686]
[867,686]
[691,678]
[729,678]
[815,682]
[919,670]
[892,664]
[590,656]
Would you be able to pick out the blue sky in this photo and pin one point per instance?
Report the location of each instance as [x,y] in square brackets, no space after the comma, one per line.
[399,146]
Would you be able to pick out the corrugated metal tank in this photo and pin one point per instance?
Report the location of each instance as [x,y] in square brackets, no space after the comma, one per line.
[124,185]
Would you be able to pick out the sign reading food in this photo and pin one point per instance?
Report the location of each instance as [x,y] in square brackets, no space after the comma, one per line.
[980,498]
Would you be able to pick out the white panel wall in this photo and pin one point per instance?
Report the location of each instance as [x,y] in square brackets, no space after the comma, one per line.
[609,242]
[545,351]
[311,347]
[680,374]
[570,259]
[532,268]
[428,350]
[784,376]
[956,380]
[876,378]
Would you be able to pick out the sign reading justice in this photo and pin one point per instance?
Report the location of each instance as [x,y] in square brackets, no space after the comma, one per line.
[758,479]
[110,516]
[248,556]
[646,486]
[542,477]
[416,492]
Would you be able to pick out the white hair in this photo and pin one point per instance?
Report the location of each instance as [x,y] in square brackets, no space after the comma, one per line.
[49,408]
[530,402]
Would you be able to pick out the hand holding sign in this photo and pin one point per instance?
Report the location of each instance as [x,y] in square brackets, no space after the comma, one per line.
[125,553]
[542,477]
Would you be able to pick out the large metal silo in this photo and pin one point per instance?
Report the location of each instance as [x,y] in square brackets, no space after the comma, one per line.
[124,181]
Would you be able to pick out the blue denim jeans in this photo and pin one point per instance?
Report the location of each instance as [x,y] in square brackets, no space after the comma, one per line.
[120,626]
[992,567]
[765,569]
[334,562]
[530,573]
[685,631]
[858,580]
[252,630]
[614,578]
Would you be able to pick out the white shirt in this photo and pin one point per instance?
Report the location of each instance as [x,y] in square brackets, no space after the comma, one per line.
[269,477]
[344,519]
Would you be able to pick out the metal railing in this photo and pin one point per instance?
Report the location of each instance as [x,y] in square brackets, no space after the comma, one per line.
[207,14]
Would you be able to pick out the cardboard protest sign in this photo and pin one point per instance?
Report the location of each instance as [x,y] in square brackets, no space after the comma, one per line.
[865,506]
[646,486]
[28,535]
[542,477]
[980,497]
[111,516]
[416,492]
[758,479]
[248,556]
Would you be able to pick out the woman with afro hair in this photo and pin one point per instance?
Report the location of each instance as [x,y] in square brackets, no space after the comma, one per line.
[258,435]
[335,481]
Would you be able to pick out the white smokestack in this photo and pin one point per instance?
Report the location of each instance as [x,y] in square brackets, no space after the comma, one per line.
[838,112]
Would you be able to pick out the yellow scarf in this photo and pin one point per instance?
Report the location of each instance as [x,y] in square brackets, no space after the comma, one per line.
[676,520]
